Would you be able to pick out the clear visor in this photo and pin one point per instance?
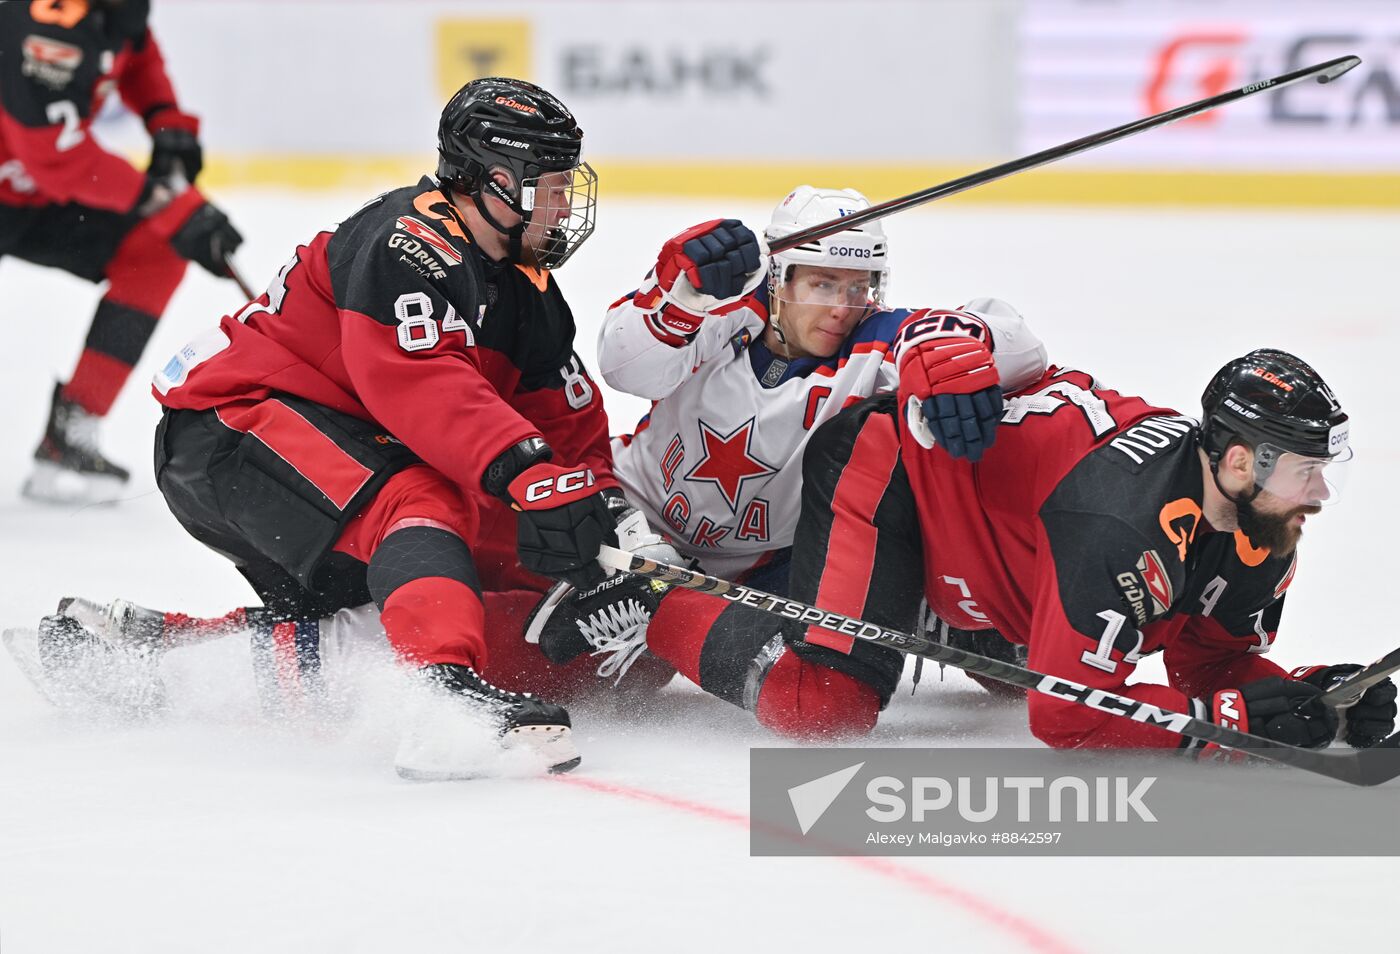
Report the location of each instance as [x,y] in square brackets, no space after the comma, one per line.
[560,207]
[831,287]
[1299,480]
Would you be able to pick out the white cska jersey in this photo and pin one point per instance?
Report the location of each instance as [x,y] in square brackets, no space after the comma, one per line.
[717,464]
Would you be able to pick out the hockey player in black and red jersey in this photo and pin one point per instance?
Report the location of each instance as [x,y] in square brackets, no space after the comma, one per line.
[402,417]
[1097,530]
[67,203]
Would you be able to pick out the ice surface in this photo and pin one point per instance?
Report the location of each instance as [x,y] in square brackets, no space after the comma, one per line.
[212,830]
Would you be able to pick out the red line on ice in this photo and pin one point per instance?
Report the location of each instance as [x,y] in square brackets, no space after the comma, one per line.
[1032,935]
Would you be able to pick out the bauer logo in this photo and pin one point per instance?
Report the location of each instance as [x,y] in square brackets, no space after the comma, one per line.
[880,801]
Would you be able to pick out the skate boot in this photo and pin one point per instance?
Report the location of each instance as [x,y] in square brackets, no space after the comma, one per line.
[445,740]
[120,622]
[77,669]
[68,467]
[989,643]
[125,624]
[609,620]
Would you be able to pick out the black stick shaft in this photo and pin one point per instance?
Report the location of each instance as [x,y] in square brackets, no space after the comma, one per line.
[1351,691]
[1346,767]
[1322,72]
[239,280]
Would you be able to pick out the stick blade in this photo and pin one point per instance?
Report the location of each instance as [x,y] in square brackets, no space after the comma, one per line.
[1334,68]
[1380,763]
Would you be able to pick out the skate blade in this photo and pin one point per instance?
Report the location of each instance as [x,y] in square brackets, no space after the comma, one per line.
[23,646]
[520,753]
[51,484]
[553,743]
[534,626]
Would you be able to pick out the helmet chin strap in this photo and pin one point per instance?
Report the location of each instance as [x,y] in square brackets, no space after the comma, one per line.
[1242,502]
[515,234]
[777,326]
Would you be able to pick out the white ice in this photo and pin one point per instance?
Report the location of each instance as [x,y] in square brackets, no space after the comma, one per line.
[215,831]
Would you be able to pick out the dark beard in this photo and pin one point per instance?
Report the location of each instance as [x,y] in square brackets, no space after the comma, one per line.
[1268,531]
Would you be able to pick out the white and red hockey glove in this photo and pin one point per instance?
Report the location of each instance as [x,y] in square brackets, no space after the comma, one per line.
[1366,721]
[949,382]
[1285,710]
[703,268]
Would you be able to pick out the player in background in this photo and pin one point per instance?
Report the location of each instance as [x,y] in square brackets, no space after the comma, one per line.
[1097,530]
[67,203]
[401,419]
[744,360]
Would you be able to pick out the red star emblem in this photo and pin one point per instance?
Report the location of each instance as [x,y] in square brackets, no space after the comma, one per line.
[727,462]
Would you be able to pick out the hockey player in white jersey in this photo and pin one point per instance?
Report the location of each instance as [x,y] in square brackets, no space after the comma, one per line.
[744,359]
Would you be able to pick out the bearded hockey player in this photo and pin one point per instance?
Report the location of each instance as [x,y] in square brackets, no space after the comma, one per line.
[402,417]
[744,362]
[1099,529]
[67,203]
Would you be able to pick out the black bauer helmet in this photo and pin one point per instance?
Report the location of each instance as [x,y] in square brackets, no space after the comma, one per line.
[1278,406]
[499,123]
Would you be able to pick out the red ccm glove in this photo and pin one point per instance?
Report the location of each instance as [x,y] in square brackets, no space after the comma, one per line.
[948,382]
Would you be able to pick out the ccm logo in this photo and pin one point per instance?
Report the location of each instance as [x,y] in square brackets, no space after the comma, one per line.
[1228,709]
[562,484]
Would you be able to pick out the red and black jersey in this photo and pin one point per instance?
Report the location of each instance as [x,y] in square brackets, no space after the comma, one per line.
[59,60]
[1080,534]
[398,318]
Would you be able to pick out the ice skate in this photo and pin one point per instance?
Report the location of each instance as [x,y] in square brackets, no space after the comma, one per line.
[68,467]
[460,727]
[609,620]
[77,669]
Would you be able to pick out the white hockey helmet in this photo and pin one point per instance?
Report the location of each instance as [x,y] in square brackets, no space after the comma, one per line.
[862,247]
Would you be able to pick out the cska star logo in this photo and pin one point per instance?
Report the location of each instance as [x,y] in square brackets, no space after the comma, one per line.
[728,461]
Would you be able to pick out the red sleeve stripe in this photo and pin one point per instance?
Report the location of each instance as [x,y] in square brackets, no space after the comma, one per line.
[662,333]
[865,347]
[851,542]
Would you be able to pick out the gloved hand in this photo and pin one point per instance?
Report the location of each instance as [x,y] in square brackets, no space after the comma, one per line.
[636,536]
[715,257]
[563,521]
[705,266]
[1366,721]
[1285,710]
[175,149]
[207,238]
[949,382]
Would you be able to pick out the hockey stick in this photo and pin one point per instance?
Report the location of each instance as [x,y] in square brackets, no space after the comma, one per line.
[1323,72]
[179,182]
[238,279]
[1363,767]
[1350,692]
